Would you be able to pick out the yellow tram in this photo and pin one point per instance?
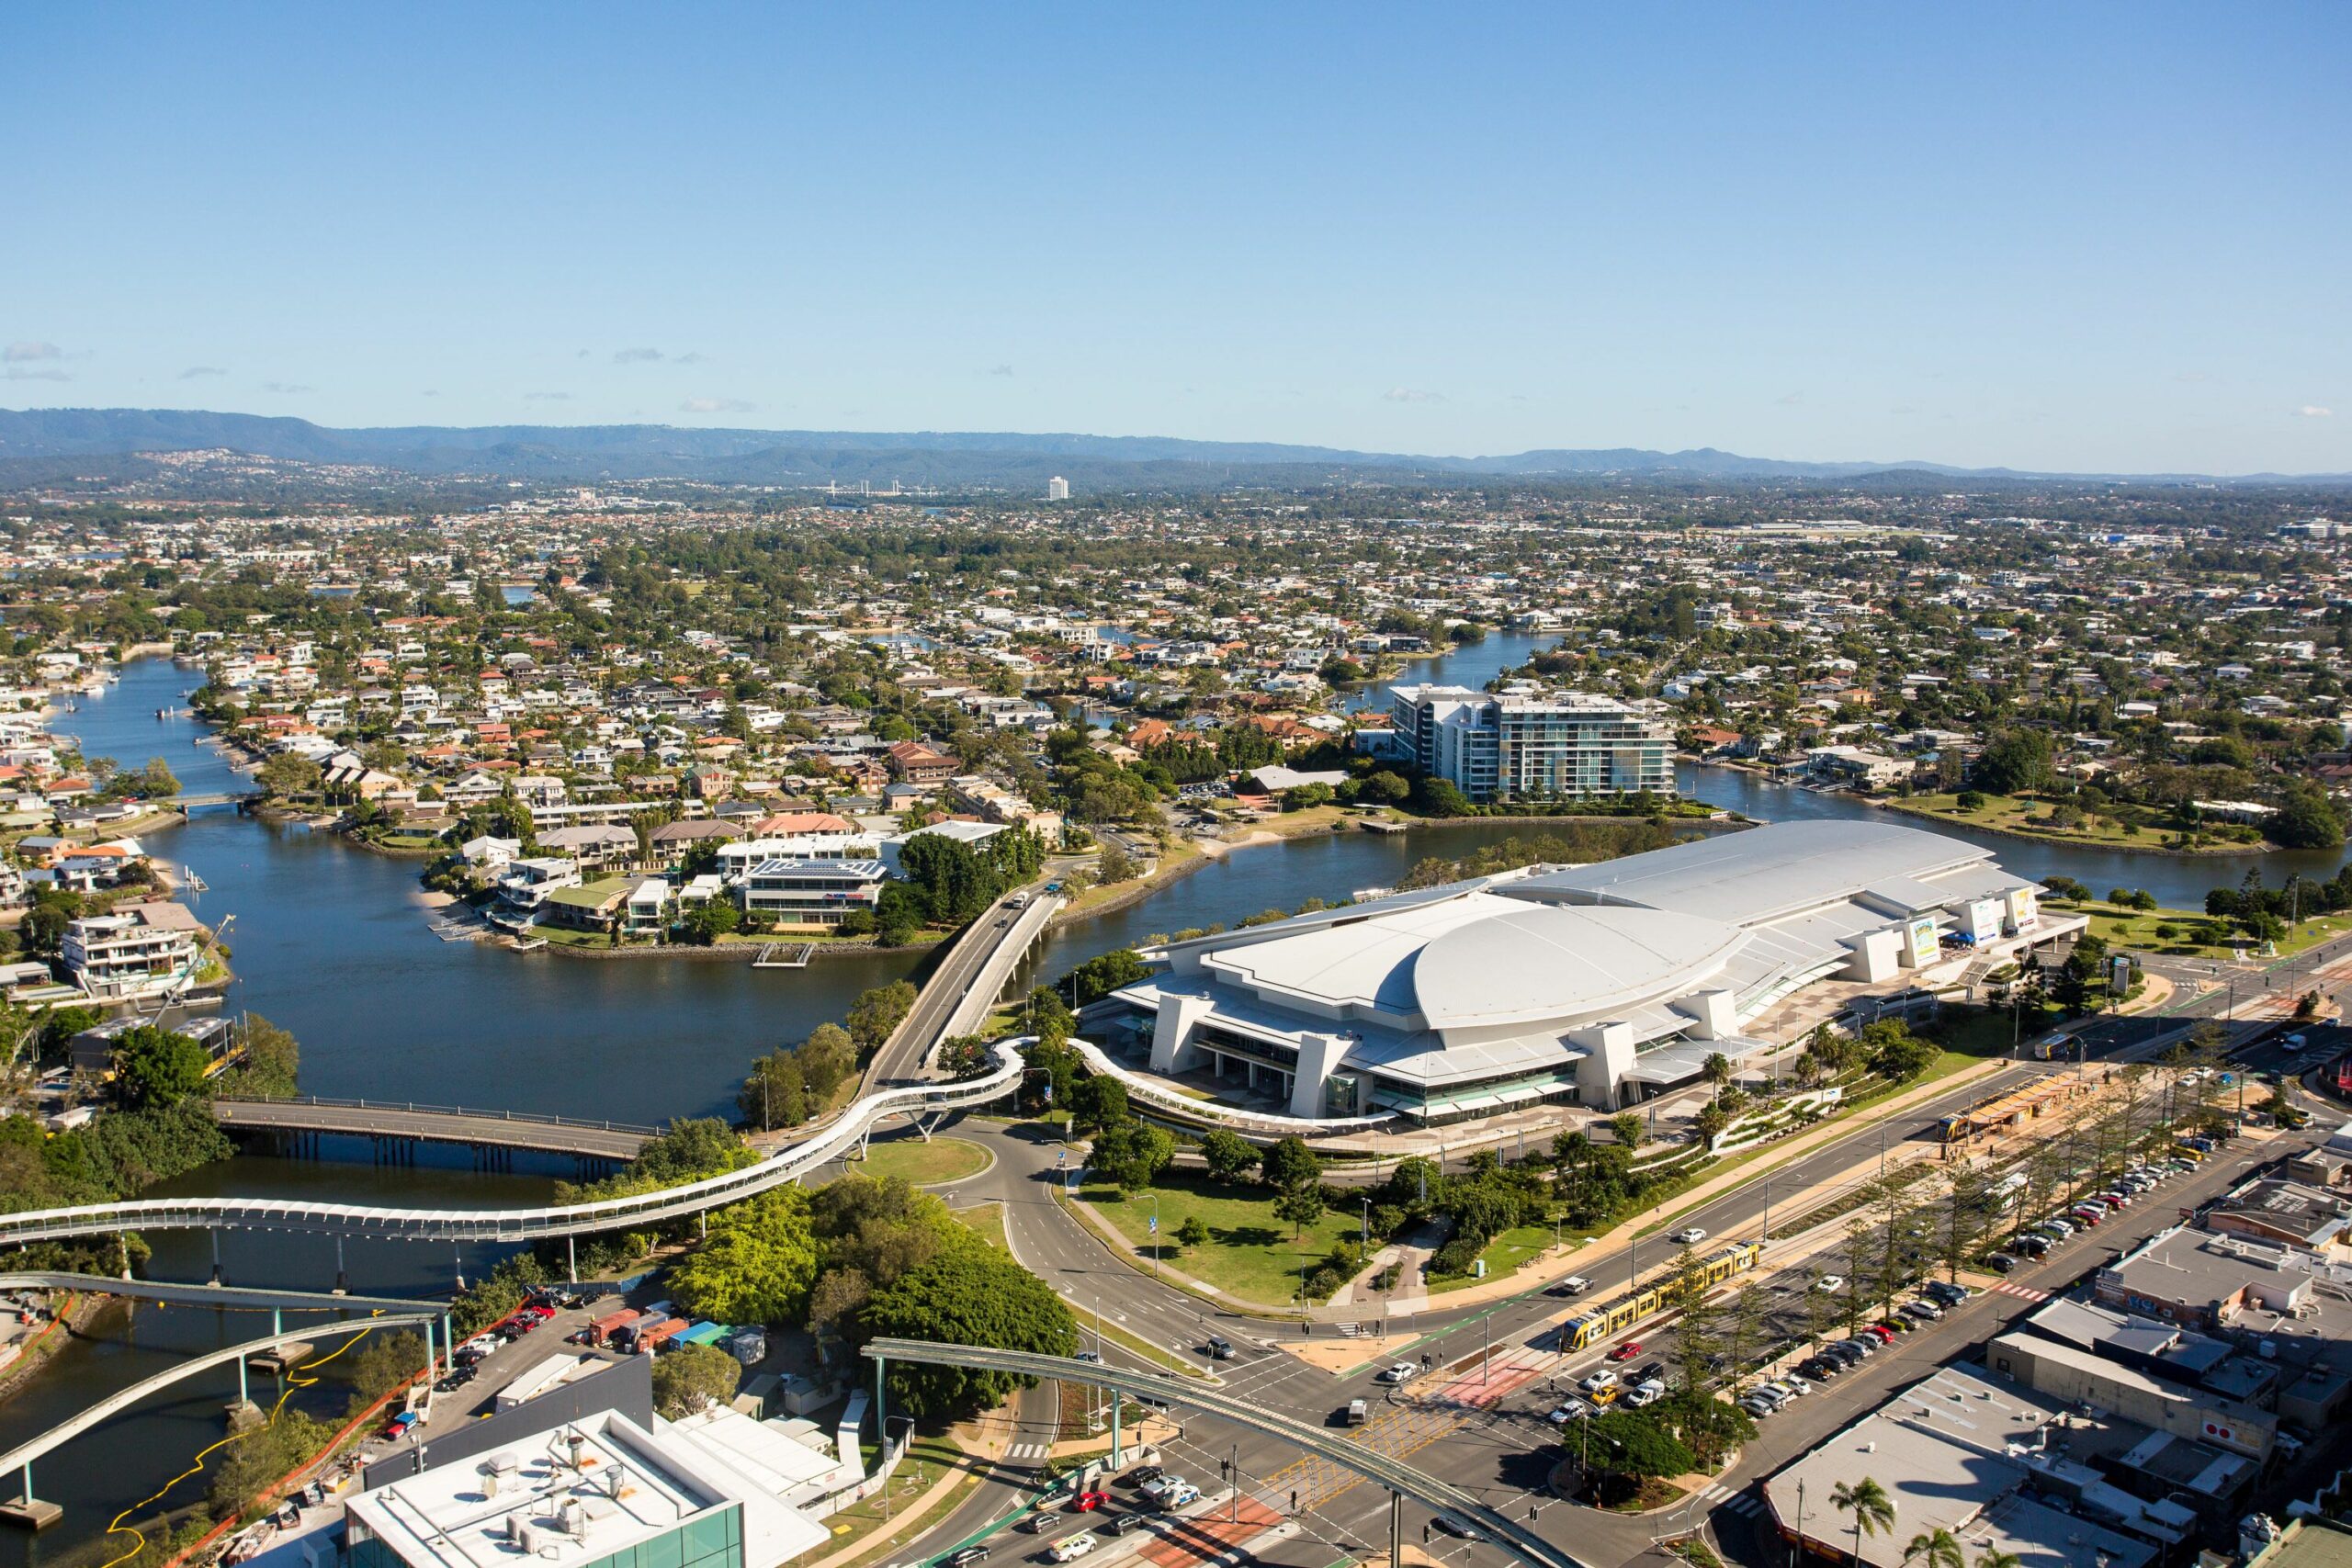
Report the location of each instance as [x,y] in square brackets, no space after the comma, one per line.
[1611,1318]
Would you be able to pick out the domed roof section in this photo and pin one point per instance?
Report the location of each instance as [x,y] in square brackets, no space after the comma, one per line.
[1565,962]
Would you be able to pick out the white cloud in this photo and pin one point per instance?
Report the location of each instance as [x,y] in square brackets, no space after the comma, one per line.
[25,353]
[1002,370]
[1790,400]
[287,388]
[638,356]
[19,373]
[2313,410]
[194,371]
[1412,395]
[715,405]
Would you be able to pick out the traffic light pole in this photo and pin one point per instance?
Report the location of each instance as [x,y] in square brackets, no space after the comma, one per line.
[1396,1530]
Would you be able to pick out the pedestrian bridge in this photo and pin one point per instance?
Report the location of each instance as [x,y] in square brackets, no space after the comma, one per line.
[405,1123]
[385,1222]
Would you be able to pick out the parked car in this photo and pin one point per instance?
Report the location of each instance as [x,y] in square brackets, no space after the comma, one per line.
[1947,1292]
[400,1424]
[1627,1351]
[1073,1546]
[2001,1263]
[1820,1369]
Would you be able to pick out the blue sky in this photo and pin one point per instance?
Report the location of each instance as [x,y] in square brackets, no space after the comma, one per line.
[2080,237]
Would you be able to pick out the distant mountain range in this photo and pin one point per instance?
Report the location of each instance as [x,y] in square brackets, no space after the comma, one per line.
[948,458]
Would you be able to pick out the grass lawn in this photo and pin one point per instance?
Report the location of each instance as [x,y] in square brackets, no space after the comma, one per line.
[2137,928]
[1180,853]
[941,1159]
[988,1219]
[2130,828]
[1250,1254]
[1504,1255]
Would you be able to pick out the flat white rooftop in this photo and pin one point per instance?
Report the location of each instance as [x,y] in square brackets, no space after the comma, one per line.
[583,1491]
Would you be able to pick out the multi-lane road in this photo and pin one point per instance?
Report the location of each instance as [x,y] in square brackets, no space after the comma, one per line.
[1485,1430]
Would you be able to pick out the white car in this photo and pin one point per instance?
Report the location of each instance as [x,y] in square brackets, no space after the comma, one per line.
[1073,1546]
[1397,1373]
[1181,1495]
[1830,1282]
[1574,1410]
[1688,1236]
[1605,1377]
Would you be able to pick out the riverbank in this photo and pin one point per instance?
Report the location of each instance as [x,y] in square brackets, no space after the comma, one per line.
[72,1321]
[2003,817]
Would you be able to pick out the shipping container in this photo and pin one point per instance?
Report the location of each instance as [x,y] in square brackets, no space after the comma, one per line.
[649,1340]
[705,1333]
[603,1330]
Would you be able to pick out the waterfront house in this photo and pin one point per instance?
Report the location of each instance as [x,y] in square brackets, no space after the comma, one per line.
[592,907]
[137,950]
[812,892]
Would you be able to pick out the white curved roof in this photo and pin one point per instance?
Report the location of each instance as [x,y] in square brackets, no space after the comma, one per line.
[1561,962]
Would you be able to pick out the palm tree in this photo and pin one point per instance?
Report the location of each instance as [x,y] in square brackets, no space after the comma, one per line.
[1717,1070]
[1873,1510]
[1936,1549]
[2000,1559]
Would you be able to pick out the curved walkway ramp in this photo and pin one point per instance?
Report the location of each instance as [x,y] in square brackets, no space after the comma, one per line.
[1401,1479]
[388,1224]
[21,1457]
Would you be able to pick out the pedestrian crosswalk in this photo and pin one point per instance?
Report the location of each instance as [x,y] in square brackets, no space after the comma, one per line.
[1720,1496]
[2023,1292]
[1028,1450]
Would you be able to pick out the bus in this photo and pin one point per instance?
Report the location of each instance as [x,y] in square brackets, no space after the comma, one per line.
[1613,1317]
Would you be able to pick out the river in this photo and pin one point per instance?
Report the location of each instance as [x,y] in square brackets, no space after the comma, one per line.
[330,942]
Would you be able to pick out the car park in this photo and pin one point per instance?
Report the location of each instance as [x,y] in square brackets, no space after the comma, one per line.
[1627,1351]
[1073,1546]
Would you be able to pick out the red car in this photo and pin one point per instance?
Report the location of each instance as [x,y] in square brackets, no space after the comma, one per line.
[1627,1351]
[1087,1502]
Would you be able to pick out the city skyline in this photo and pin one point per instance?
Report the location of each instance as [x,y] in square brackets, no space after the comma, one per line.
[2096,242]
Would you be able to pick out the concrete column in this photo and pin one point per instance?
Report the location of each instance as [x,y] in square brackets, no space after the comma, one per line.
[1600,1077]
[1172,1050]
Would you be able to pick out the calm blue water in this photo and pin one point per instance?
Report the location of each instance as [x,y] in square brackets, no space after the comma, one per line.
[1473,666]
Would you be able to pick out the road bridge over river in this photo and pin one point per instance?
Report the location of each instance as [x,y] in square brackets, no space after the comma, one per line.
[397,1123]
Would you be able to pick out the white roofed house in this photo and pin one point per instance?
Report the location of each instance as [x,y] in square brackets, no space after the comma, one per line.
[1597,985]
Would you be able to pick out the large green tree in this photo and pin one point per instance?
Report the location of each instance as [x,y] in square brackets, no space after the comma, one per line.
[156,1068]
[971,1296]
[757,1266]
